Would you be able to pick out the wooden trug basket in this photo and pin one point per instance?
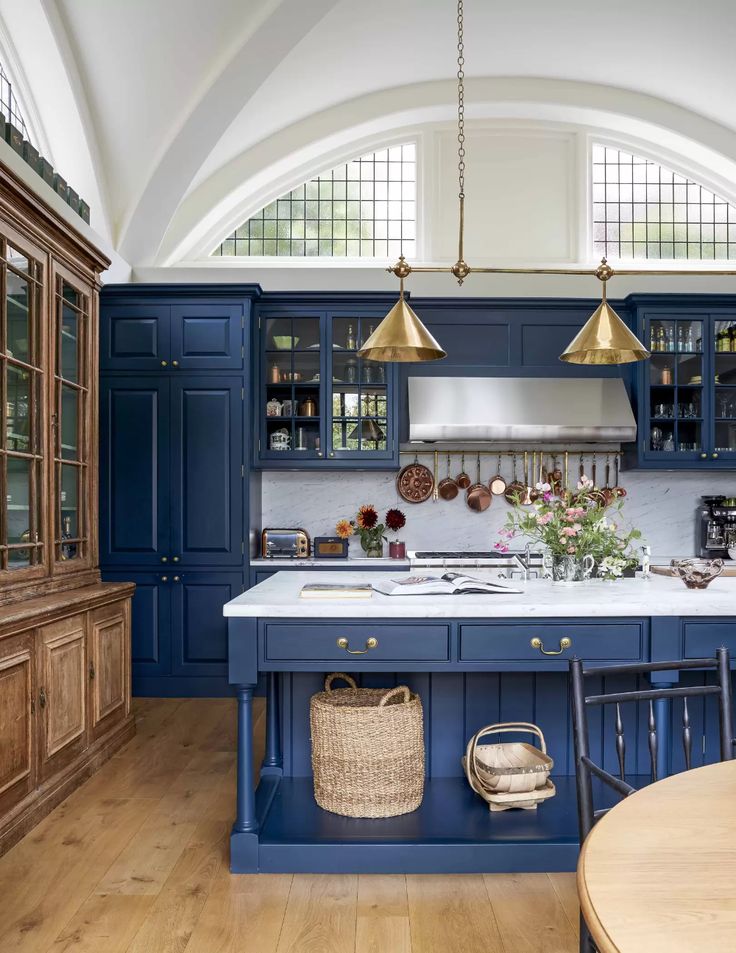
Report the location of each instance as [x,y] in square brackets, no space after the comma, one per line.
[511,774]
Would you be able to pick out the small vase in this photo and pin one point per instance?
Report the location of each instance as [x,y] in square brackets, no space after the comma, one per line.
[374,550]
[569,569]
[397,549]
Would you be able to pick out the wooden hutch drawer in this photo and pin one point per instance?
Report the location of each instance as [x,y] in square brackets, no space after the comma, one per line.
[614,641]
[365,642]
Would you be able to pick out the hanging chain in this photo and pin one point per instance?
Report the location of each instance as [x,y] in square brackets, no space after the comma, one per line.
[460,101]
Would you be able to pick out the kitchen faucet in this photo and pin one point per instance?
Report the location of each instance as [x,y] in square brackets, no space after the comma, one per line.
[523,564]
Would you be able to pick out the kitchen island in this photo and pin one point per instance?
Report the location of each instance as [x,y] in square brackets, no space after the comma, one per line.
[473,660]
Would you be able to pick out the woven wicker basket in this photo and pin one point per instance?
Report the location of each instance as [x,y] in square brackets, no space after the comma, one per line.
[510,768]
[367,749]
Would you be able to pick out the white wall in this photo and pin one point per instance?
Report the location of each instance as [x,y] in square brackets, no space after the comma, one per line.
[662,505]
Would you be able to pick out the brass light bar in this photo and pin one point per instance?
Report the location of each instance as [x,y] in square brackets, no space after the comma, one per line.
[604,339]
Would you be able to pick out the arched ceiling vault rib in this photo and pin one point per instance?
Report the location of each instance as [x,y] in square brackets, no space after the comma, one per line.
[287,24]
[215,206]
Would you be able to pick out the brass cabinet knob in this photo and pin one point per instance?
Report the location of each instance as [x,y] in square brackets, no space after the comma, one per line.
[164,578]
[174,363]
[164,363]
[175,559]
[177,578]
[714,456]
[371,643]
[164,559]
[565,643]
[319,453]
[332,453]
[703,456]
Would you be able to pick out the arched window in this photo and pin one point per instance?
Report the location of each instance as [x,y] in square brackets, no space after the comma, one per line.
[643,210]
[10,107]
[365,208]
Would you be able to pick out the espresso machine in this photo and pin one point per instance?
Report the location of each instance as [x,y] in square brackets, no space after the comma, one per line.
[716,526]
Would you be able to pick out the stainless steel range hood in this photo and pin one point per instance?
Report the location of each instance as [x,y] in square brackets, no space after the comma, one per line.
[517,409]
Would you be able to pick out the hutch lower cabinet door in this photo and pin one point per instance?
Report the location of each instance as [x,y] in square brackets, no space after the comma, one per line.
[17,705]
[108,667]
[62,692]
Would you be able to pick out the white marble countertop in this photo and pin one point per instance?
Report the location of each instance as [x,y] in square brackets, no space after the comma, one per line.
[356,562]
[656,596]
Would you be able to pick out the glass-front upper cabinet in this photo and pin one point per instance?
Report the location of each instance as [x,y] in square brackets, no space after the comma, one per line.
[70,422]
[22,527]
[320,404]
[687,389]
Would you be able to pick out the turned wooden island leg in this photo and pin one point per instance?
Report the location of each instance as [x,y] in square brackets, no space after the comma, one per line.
[244,837]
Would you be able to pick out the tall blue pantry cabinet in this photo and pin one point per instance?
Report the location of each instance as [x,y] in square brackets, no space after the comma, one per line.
[174,494]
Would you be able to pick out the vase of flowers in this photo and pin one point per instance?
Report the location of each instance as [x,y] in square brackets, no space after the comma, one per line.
[581,533]
[370,531]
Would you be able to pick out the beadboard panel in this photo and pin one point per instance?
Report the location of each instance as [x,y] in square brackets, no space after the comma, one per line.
[458,704]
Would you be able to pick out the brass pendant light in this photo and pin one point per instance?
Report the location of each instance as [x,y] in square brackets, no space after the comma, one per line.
[401,336]
[604,339]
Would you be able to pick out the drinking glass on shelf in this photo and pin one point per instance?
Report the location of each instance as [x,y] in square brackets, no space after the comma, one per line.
[657,438]
[669,444]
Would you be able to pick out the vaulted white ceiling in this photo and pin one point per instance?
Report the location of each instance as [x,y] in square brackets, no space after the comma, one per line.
[183,108]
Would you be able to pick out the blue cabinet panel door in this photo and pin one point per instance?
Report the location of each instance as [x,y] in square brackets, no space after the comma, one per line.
[134,474]
[135,337]
[206,477]
[200,641]
[150,621]
[207,336]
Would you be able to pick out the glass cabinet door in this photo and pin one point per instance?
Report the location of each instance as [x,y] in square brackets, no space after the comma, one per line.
[360,425]
[291,411]
[723,345]
[70,422]
[675,426]
[21,442]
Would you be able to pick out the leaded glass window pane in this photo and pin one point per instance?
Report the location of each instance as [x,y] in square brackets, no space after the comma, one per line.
[641,209]
[349,211]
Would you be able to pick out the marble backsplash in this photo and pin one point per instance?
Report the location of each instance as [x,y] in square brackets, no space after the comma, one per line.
[661,504]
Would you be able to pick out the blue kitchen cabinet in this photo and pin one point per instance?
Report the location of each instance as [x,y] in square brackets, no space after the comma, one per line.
[686,392]
[135,336]
[172,328]
[318,405]
[134,471]
[171,474]
[197,598]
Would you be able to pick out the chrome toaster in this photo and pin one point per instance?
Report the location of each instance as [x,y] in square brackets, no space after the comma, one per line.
[284,544]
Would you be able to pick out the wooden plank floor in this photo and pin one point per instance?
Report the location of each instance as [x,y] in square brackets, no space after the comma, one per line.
[135,861]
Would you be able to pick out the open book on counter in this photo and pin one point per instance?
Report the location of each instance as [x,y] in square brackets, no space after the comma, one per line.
[449,584]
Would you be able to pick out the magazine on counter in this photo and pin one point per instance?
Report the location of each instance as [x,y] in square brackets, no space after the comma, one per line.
[335,590]
[448,584]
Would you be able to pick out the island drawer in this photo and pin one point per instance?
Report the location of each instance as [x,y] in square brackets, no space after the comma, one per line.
[701,639]
[334,642]
[614,641]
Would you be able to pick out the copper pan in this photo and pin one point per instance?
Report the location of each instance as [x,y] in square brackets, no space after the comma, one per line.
[513,491]
[497,484]
[462,479]
[478,496]
[618,489]
[448,488]
[415,482]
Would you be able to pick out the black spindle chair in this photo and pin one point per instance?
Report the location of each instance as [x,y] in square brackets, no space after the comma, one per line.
[586,769]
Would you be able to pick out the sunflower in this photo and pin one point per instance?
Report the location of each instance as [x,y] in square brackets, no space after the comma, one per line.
[367,516]
[344,529]
[395,520]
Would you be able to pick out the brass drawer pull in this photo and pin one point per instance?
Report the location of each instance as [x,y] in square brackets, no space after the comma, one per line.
[370,643]
[565,643]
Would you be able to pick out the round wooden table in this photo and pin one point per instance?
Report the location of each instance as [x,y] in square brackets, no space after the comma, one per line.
[657,874]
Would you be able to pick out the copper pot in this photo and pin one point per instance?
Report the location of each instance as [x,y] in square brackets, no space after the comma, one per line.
[415,482]
[478,496]
[618,489]
[448,488]
[462,479]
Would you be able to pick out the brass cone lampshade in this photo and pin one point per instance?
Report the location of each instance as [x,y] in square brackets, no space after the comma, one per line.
[604,339]
[401,337]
